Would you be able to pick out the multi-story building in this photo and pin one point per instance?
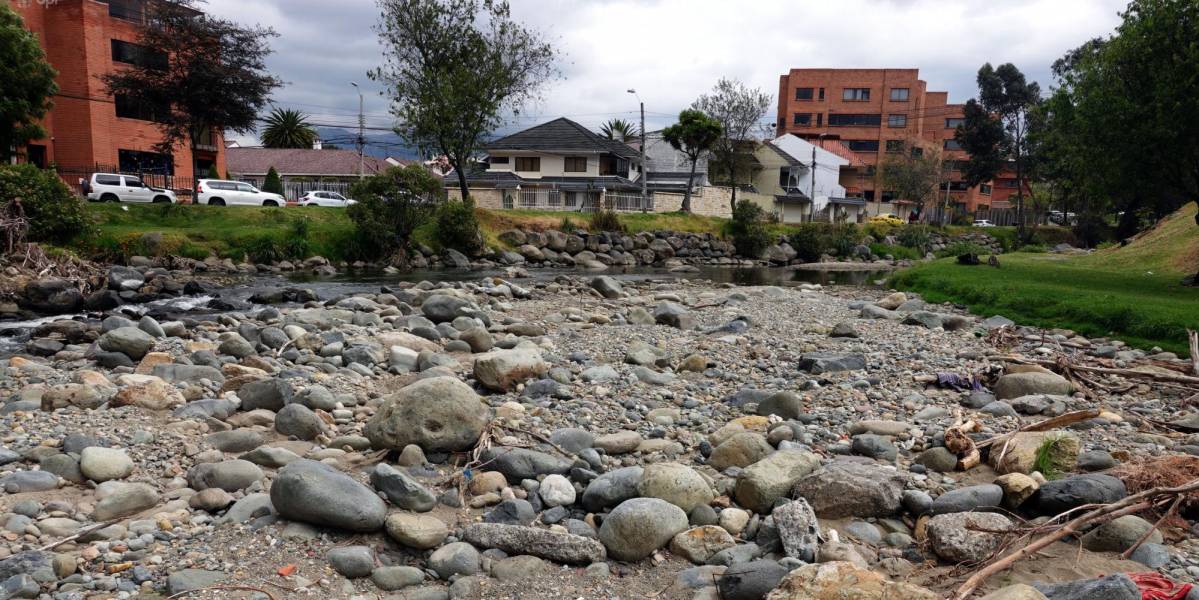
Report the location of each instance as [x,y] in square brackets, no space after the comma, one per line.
[874,112]
[87,128]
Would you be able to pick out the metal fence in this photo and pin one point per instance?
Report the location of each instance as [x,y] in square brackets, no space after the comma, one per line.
[293,189]
[572,201]
[75,176]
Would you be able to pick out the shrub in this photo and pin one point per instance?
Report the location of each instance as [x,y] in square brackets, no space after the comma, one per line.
[458,227]
[960,248]
[213,173]
[567,225]
[265,249]
[915,237]
[606,220]
[878,231]
[896,252]
[808,240]
[296,245]
[391,205]
[272,184]
[842,238]
[748,229]
[193,251]
[55,214]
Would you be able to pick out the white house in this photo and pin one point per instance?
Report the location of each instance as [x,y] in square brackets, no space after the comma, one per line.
[787,174]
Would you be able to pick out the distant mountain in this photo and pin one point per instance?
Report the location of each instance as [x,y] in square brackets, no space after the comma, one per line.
[378,143]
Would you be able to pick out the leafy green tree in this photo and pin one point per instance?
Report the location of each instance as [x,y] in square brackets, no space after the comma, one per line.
[201,75]
[739,110]
[915,174]
[53,213]
[620,130]
[748,229]
[28,84]
[272,183]
[391,205]
[455,69]
[694,135]
[1005,99]
[287,128]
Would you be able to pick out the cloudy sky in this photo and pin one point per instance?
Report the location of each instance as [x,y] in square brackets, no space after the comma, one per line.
[673,50]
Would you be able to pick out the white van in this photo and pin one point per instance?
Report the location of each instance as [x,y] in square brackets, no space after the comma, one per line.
[112,187]
[218,192]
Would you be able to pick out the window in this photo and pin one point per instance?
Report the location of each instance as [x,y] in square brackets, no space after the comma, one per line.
[822,93]
[955,165]
[917,151]
[1009,183]
[897,120]
[958,186]
[133,182]
[245,187]
[855,94]
[888,196]
[785,177]
[136,161]
[129,108]
[130,10]
[952,145]
[819,119]
[894,145]
[108,180]
[575,164]
[953,123]
[499,160]
[530,164]
[36,155]
[803,93]
[134,54]
[899,94]
[985,189]
[854,120]
[862,145]
[803,119]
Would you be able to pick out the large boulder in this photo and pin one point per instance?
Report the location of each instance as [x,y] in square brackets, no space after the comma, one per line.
[851,489]
[103,464]
[1056,497]
[674,315]
[271,394]
[1014,385]
[229,475]
[319,494]
[677,484]
[844,581]
[130,341]
[639,526]
[443,308]
[771,478]
[1120,534]
[607,286]
[125,278]
[612,488]
[439,414]
[958,537]
[518,464]
[1111,587]
[502,370]
[1018,454]
[51,296]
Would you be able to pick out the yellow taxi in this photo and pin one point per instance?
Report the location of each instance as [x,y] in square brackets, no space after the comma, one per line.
[887,218]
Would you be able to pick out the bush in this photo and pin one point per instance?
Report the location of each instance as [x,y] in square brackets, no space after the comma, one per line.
[842,238]
[748,229]
[296,245]
[606,220]
[879,231]
[458,227]
[265,249]
[272,184]
[567,225]
[808,240]
[960,248]
[55,214]
[915,237]
[213,173]
[896,252]
[391,205]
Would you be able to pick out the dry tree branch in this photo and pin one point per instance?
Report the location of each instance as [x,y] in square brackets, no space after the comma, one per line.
[243,588]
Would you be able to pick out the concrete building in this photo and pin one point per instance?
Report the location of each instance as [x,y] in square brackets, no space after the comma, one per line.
[88,130]
[876,111]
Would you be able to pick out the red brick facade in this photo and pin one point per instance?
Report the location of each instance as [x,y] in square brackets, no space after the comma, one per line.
[867,108]
[84,129]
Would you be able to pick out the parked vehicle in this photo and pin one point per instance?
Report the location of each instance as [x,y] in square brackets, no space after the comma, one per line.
[218,192]
[887,218]
[1060,218]
[321,198]
[114,187]
[982,223]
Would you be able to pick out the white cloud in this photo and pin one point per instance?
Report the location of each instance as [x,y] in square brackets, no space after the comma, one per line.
[673,50]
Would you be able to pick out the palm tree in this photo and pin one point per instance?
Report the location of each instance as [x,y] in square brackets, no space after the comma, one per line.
[286,128]
[619,130]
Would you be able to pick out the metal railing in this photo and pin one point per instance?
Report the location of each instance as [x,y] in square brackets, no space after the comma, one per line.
[571,201]
[75,176]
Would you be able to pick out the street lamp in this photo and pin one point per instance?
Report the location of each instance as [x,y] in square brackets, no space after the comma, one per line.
[361,134]
[644,169]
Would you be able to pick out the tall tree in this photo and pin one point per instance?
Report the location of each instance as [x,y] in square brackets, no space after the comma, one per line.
[915,173]
[28,84]
[620,130]
[199,75]
[287,128]
[1004,97]
[454,68]
[694,135]
[739,110]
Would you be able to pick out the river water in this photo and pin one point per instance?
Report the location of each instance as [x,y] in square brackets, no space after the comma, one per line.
[14,334]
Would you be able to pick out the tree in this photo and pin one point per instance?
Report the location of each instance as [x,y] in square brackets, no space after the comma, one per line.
[273,183]
[198,75]
[694,135]
[391,205]
[994,130]
[915,173]
[748,229]
[620,130]
[454,68]
[28,84]
[286,128]
[739,110]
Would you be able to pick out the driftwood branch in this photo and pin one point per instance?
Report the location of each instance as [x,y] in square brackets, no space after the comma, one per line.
[1193,338]
[81,533]
[1154,375]
[241,588]
[1107,512]
[1144,538]
[1046,425]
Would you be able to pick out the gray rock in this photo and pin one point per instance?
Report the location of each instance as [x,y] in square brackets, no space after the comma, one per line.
[521,463]
[270,394]
[102,464]
[1015,385]
[572,439]
[236,346]
[121,499]
[819,363]
[352,561]
[393,578]
[248,507]
[1096,460]
[844,329]
[1111,587]
[1151,555]
[517,540]
[130,341]
[185,580]
[677,484]
[402,490]
[1119,534]
[673,315]
[851,489]
[612,488]
[751,580]
[787,405]
[229,475]
[439,414]
[502,370]
[639,526]
[938,459]
[798,529]
[760,484]
[35,563]
[271,457]
[607,286]
[975,497]
[298,421]
[874,446]
[511,512]
[1056,497]
[235,440]
[316,493]
[458,558]
[955,536]
[28,481]
[177,373]
[443,308]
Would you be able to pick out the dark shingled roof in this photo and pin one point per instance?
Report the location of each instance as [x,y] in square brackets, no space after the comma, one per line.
[562,135]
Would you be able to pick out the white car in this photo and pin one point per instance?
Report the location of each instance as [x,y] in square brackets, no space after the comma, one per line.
[112,187]
[983,223]
[332,199]
[218,192]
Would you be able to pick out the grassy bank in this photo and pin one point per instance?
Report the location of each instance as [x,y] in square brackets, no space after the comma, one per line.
[1132,293]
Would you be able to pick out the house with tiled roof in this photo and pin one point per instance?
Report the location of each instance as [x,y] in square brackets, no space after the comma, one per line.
[807,180]
[304,169]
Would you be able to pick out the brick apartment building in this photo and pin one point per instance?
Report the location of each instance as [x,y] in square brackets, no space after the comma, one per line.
[88,129]
[876,111]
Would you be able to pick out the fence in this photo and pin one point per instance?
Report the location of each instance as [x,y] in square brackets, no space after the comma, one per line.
[293,189]
[74,176]
[585,201]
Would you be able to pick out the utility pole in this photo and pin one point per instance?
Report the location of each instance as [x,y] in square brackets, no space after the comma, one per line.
[644,167]
[812,197]
[361,134]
